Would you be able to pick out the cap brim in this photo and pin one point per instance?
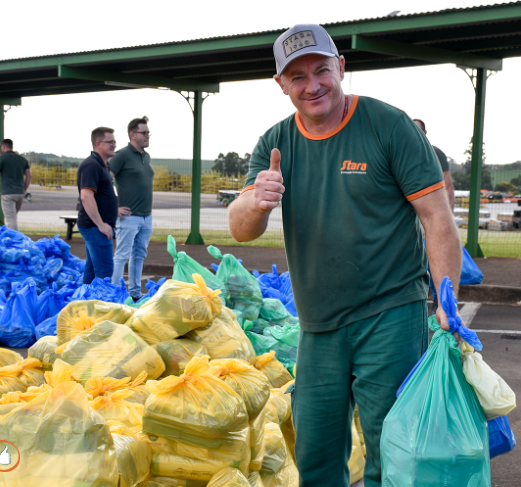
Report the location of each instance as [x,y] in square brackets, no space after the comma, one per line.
[307,53]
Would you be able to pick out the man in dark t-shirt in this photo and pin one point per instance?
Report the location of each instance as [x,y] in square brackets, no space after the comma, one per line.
[98,205]
[444,163]
[16,177]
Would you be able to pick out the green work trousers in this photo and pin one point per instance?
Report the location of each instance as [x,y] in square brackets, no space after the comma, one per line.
[363,363]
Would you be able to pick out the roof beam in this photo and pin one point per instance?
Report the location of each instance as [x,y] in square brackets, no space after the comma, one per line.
[10,100]
[136,80]
[424,53]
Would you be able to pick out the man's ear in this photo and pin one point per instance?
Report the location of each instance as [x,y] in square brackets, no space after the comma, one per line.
[342,66]
[280,82]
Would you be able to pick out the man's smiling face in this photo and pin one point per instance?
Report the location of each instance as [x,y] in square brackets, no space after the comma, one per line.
[313,83]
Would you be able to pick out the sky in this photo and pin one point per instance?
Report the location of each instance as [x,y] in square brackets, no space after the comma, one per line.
[234,119]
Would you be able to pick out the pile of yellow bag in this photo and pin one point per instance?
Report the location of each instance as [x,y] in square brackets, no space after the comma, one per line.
[170,394]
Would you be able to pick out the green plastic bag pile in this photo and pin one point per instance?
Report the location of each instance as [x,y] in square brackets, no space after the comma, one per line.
[436,433]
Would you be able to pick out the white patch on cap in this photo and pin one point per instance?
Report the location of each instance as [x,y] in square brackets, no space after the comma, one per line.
[299,40]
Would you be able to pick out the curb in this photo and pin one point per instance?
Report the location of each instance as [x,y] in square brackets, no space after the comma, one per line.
[479,293]
[484,293]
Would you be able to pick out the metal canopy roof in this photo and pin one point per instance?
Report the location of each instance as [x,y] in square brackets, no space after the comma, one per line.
[473,37]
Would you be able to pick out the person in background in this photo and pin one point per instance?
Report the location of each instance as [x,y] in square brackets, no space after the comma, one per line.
[444,163]
[135,183]
[16,177]
[98,205]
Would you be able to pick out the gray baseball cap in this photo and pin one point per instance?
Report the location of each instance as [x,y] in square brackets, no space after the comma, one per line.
[301,40]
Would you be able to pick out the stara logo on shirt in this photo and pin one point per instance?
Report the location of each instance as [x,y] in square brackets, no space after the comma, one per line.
[350,167]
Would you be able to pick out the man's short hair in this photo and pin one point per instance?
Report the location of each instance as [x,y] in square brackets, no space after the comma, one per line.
[8,143]
[421,122]
[134,124]
[99,134]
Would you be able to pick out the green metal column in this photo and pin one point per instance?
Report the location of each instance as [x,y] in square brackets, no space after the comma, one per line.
[195,237]
[472,244]
[2,136]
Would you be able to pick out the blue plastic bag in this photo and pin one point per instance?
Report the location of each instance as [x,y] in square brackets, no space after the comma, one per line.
[501,436]
[470,273]
[47,327]
[436,433]
[449,304]
[153,288]
[17,322]
[49,303]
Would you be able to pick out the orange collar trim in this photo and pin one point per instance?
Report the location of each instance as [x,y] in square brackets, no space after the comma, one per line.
[335,131]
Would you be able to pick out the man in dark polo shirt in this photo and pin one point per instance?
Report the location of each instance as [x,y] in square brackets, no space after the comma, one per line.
[16,177]
[99,205]
[135,182]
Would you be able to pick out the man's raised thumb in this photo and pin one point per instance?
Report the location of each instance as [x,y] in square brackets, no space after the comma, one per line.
[275,160]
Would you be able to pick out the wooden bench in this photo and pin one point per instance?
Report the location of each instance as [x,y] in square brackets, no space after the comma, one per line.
[70,220]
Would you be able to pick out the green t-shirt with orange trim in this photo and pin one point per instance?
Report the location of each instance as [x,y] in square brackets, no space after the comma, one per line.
[353,240]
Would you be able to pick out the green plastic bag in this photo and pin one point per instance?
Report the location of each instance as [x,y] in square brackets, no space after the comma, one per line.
[287,334]
[436,433]
[274,311]
[244,293]
[185,266]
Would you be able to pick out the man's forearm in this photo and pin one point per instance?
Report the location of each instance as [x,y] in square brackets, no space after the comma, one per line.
[27,182]
[91,208]
[443,250]
[246,221]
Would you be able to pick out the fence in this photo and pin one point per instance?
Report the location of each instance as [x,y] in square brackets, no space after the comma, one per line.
[54,194]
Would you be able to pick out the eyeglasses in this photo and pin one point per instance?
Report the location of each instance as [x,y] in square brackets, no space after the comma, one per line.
[111,142]
[146,133]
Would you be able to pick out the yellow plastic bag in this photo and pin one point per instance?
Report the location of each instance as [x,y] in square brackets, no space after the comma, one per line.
[494,394]
[229,477]
[257,440]
[138,385]
[99,386]
[177,353]
[9,381]
[175,309]
[61,440]
[358,424]
[29,371]
[111,350]
[133,455]
[171,482]
[255,479]
[44,351]
[224,338]
[8,357]
[115,406]
[287,427]
[356,462]
[180,460]
[196,408]
[278,468]
[82,315]
[278,407]
[251,384]
[277,374]
[10,401]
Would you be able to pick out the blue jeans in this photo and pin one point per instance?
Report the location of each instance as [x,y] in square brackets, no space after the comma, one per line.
[132,236]
[99,249]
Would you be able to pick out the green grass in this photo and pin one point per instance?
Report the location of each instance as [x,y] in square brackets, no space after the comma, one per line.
[493,244]
[498,244]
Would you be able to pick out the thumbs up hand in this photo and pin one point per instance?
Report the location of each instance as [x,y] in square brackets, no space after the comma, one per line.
[5,458]
[269,186]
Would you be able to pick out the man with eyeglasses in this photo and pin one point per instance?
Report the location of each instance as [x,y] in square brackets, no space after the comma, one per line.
[98,205]
[135,183]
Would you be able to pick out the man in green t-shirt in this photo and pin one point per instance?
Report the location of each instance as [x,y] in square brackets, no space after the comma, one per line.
[355,177]
[16,177]
[134,178]
[444,163]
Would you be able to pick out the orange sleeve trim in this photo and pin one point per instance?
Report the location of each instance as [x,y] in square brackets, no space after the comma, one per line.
[92,189]
[425,191]
[247,188]
[335,131]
